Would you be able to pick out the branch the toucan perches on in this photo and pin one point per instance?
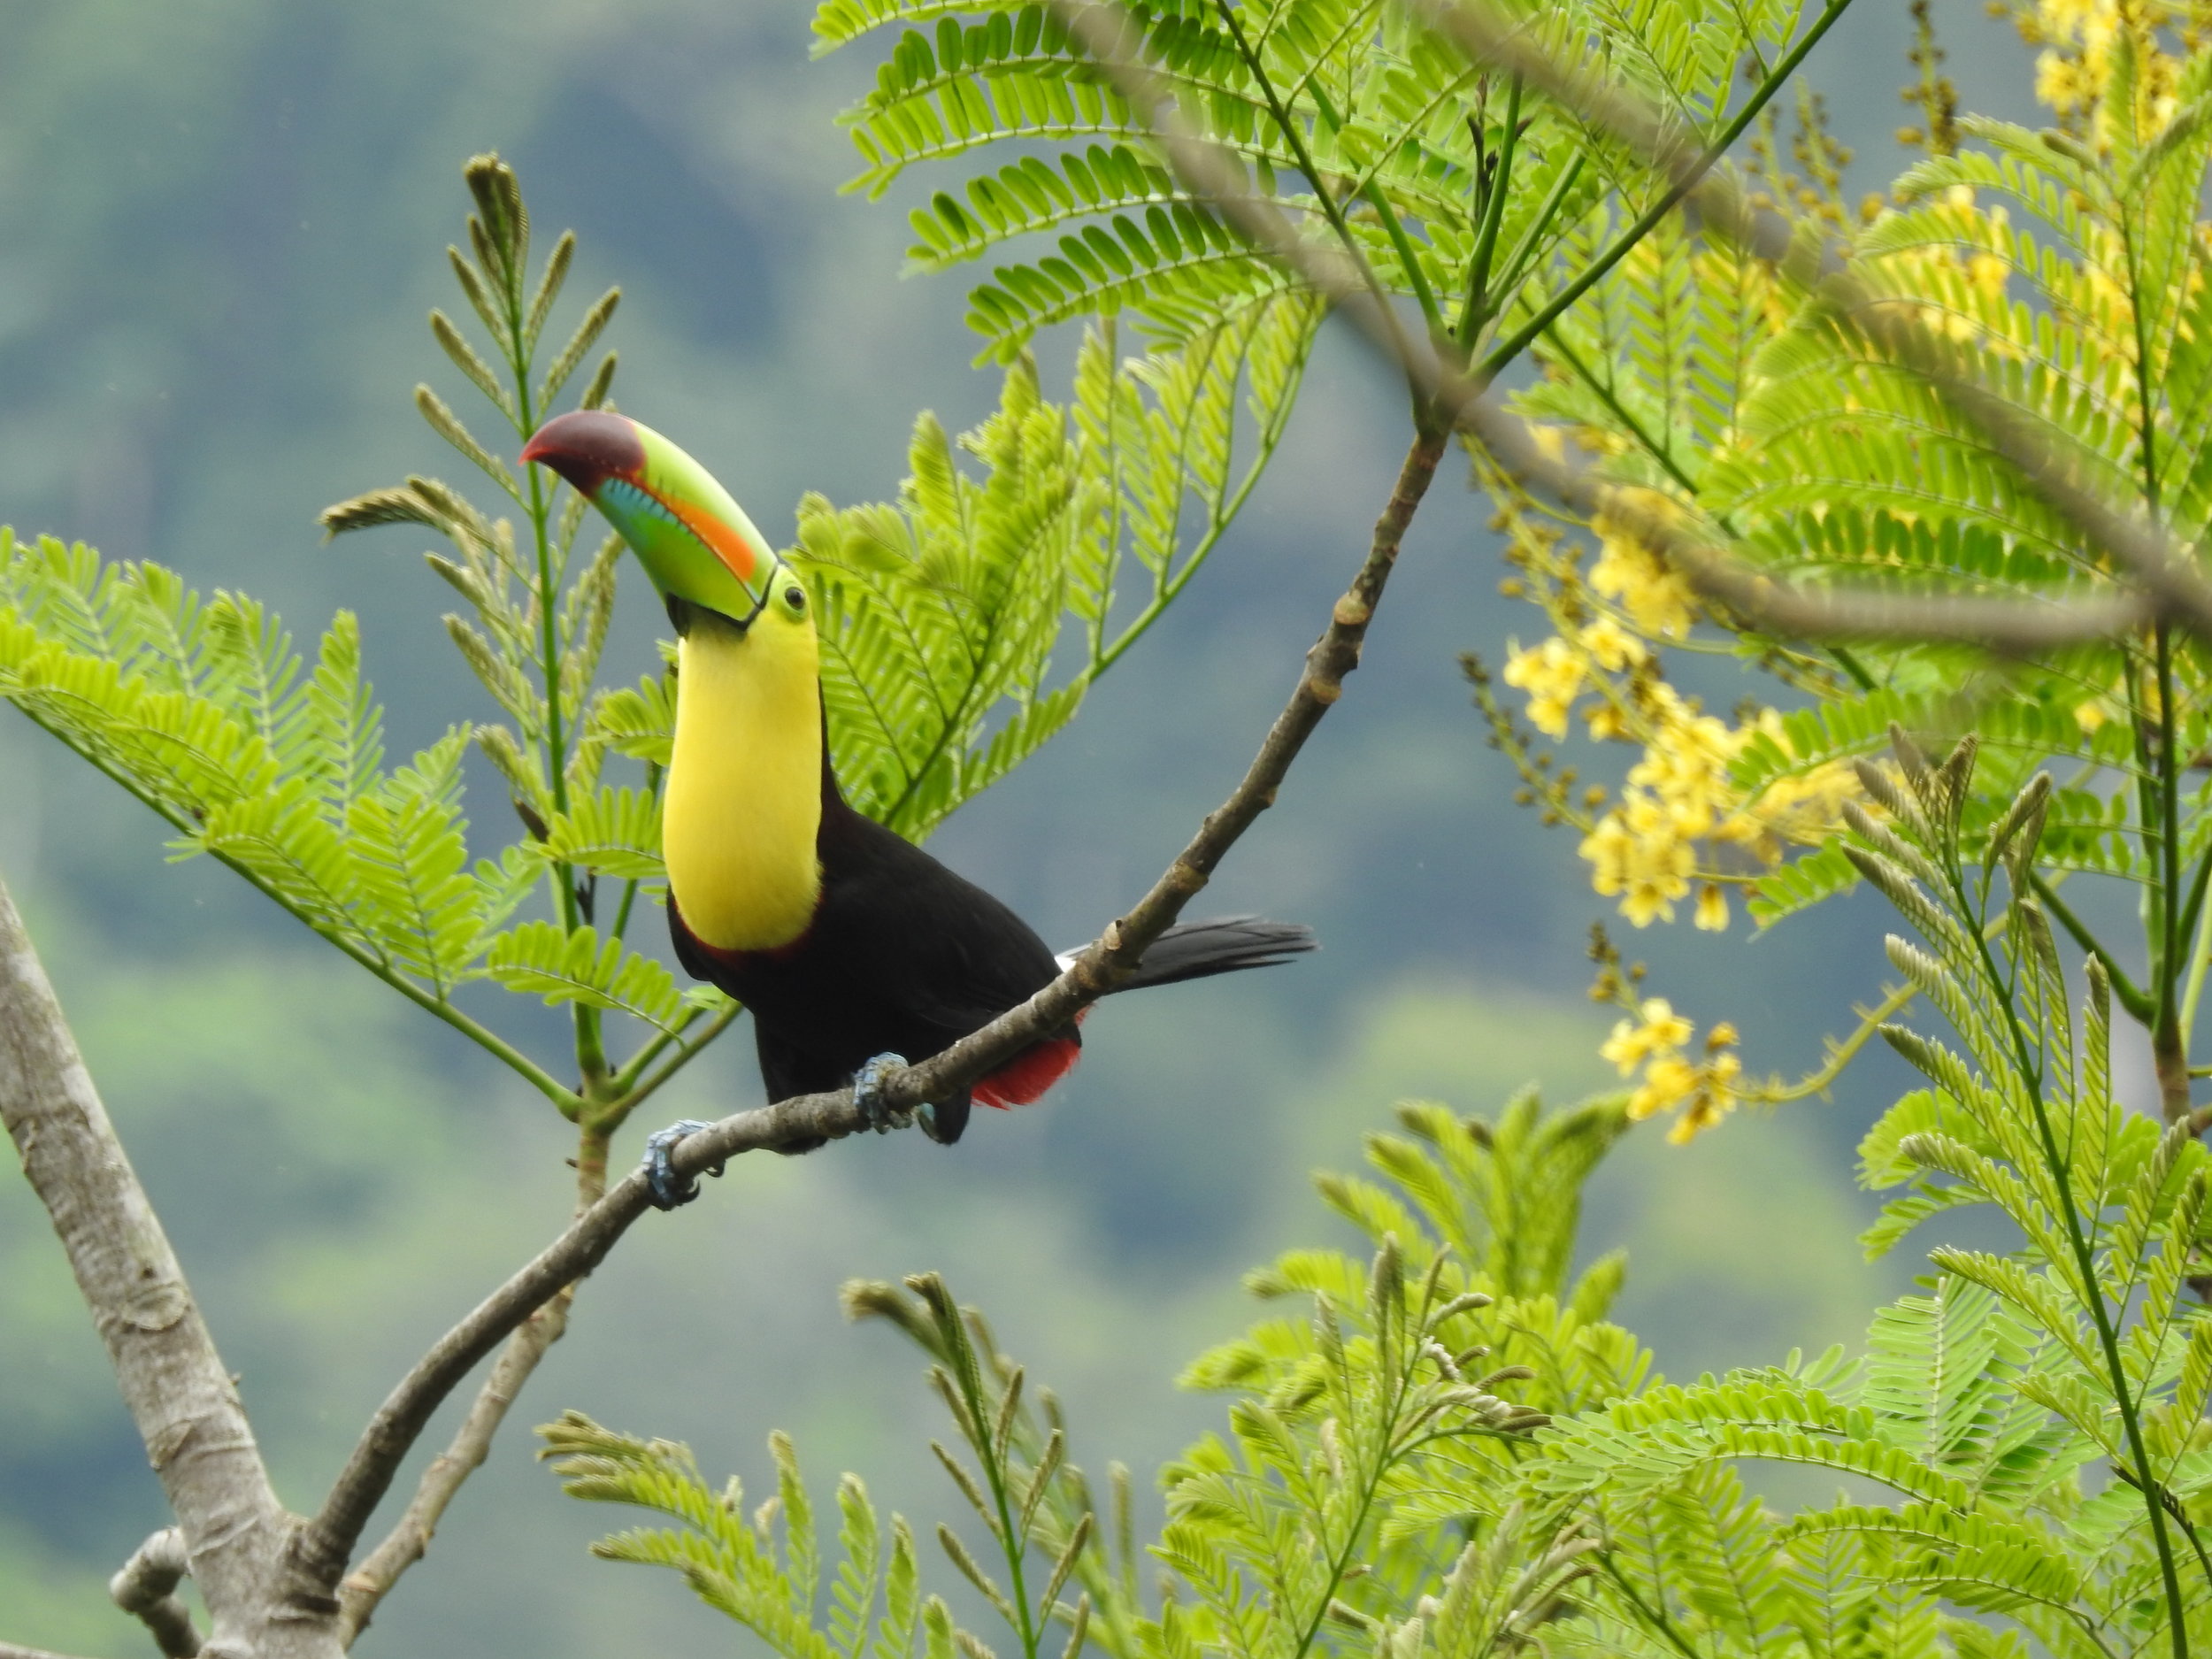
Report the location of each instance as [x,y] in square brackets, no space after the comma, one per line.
[848,944]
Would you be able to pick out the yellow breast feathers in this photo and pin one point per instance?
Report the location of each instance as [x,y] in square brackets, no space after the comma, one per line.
[744,784]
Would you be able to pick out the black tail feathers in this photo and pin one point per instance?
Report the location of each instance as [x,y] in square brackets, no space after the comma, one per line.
[1228,944]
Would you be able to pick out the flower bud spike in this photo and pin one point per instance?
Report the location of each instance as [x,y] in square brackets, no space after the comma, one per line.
[465,358]
[1065,1565]
[595,390]
[505,221]
[377,507]
[480,298]
[549,289]
[962,1479]
[1009,1409]
[1125,1515]
[958,1552]
[1078,1627]
[1040,1483]
[873,1299]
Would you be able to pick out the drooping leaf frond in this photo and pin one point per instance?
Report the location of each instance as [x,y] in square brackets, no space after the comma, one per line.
[202,711]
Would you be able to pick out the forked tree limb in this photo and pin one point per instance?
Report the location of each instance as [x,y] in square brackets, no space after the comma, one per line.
[171,1378]
[327,1541]
[146,1589]
[368,1583]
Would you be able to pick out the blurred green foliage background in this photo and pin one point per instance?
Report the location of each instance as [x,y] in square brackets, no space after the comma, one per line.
[221,223]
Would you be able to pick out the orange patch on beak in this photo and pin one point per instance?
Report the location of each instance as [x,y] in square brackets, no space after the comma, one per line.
[731,548]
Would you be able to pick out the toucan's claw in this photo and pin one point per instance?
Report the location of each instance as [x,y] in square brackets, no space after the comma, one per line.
[664,1185]
[868,1094]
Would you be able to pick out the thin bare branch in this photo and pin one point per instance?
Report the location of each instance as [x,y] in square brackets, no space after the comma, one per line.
[146,1589]
[1783,609]
[171,1378]
[408,1540]
[1757,598]
[1115,954]
[9,1650]
[327,1541]
[1486,37]
[368,1583]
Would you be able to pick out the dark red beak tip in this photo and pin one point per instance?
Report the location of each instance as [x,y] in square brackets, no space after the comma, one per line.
[587,445]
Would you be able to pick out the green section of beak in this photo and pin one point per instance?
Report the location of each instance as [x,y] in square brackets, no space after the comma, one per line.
[696,542]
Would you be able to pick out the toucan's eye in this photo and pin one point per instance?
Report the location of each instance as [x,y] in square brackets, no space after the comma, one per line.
[795,597]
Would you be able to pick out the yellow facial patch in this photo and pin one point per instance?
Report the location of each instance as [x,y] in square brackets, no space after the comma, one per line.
[744,796]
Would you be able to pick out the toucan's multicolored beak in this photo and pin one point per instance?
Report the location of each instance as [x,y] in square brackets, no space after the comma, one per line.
[694,541]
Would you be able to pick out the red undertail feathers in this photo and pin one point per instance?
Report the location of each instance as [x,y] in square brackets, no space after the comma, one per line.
[1023,1081]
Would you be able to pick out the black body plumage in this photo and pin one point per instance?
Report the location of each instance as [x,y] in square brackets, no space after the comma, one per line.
[907,956]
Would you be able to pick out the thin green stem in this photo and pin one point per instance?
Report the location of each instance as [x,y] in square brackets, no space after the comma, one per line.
[2201,955]
[1613,406]
[622,910]
[566,1099]
[1401,1383]
[627,1075]
[591,1054]
[2192,908]
[549,634]
[2134,999]
[1524,252]
[1504,353]
[1011,1546]
[2169,1040]
[2060,1173]
[1218,525]
[1496,187]
[1408,260]
[2145,395]
[1331,209]
[1656,1617]
[1839,1054]
[643,1086]
[1850,663]
[1369,190]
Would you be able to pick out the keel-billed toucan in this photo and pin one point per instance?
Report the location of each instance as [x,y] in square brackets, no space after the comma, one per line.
[848,944]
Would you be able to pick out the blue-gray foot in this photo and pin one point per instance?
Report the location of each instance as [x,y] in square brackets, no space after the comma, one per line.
[664,1185]
[868,1091]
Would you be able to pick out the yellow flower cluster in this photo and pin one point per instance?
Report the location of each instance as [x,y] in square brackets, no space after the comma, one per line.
[2075,67]
[1635,851]
[1680,793]
[1554,673]
[1656,1039]
[1658,600]
[1645,850]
